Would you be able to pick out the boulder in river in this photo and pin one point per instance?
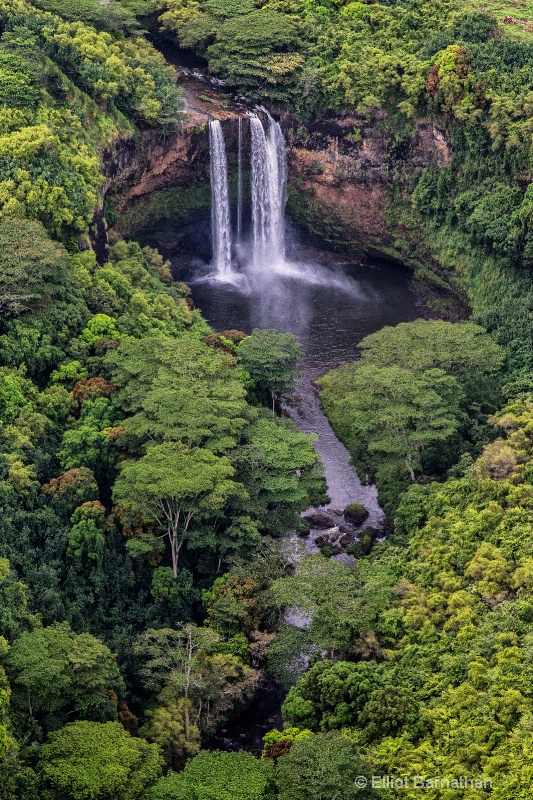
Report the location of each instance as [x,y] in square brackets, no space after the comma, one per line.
[347,539]
[347,529]
[319,521]
[355,513]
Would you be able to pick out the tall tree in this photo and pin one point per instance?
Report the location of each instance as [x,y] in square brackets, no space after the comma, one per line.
[95,761]
[57,674]
[218,776]
[171,484]
[323,766]
[463,350]
[392,413]
[270,357]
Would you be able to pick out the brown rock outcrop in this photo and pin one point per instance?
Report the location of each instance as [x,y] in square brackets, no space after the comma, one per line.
[342,170]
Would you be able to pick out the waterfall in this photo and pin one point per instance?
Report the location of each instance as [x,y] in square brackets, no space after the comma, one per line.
[239,184]
[269,177]
[220,214]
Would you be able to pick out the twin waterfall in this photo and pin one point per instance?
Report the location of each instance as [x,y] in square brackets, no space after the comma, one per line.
[268,185]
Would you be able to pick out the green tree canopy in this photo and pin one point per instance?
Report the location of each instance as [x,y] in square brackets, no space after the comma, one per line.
[57,674]
[171,484]
[97,761]
[218,776]
[34,270]
[321,766]
[270,358]
[190,393]
[465,351]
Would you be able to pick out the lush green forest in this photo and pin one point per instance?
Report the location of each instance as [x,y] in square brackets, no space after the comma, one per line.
[148,478]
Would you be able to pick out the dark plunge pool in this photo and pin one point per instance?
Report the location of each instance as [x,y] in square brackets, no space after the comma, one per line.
[330,306]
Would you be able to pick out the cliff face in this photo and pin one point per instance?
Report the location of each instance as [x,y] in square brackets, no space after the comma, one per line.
[346,174]
[153,181]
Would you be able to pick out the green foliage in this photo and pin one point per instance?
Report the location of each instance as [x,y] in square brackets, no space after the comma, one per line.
[14,616]
[402,408]
[115,18]
[106,373]
[171,484]
[254,50]
[57,675]
[278,743]
[195,396]
[340,606]
[218,776]
[321,766]
[446,684]
[92,761]
[69,90]
[270,358]
[34,270]
[191,674]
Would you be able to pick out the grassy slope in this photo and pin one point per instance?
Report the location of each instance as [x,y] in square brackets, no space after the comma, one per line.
[515,16]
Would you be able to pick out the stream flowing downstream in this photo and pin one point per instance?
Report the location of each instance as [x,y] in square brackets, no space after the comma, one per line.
[330,308]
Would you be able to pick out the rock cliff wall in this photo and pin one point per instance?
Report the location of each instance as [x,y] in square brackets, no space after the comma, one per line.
[345,172]
[152,182]
[348,176]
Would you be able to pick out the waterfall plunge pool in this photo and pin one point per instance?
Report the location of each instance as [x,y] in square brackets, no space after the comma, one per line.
[330,305]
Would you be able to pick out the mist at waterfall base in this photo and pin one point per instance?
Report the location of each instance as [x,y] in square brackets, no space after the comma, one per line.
[263,274]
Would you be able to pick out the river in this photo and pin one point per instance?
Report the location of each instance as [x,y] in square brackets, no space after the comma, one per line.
[330,305]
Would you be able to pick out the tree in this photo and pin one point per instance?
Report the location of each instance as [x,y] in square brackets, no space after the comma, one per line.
[14,615]
[393,413]
[56,674]
[6,740]
[322,766]
[186,664]
[270,357]
[257,52]
[34,270]
[190,393]
[281,471]
[168,725]
[94,761]
[332,694]
[464,351]
[86,540]
[340,604]
[171,484]
[218,776]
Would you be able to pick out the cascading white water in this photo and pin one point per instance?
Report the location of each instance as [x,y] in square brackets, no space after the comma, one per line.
[269,178]
[239,184]
[220,212]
